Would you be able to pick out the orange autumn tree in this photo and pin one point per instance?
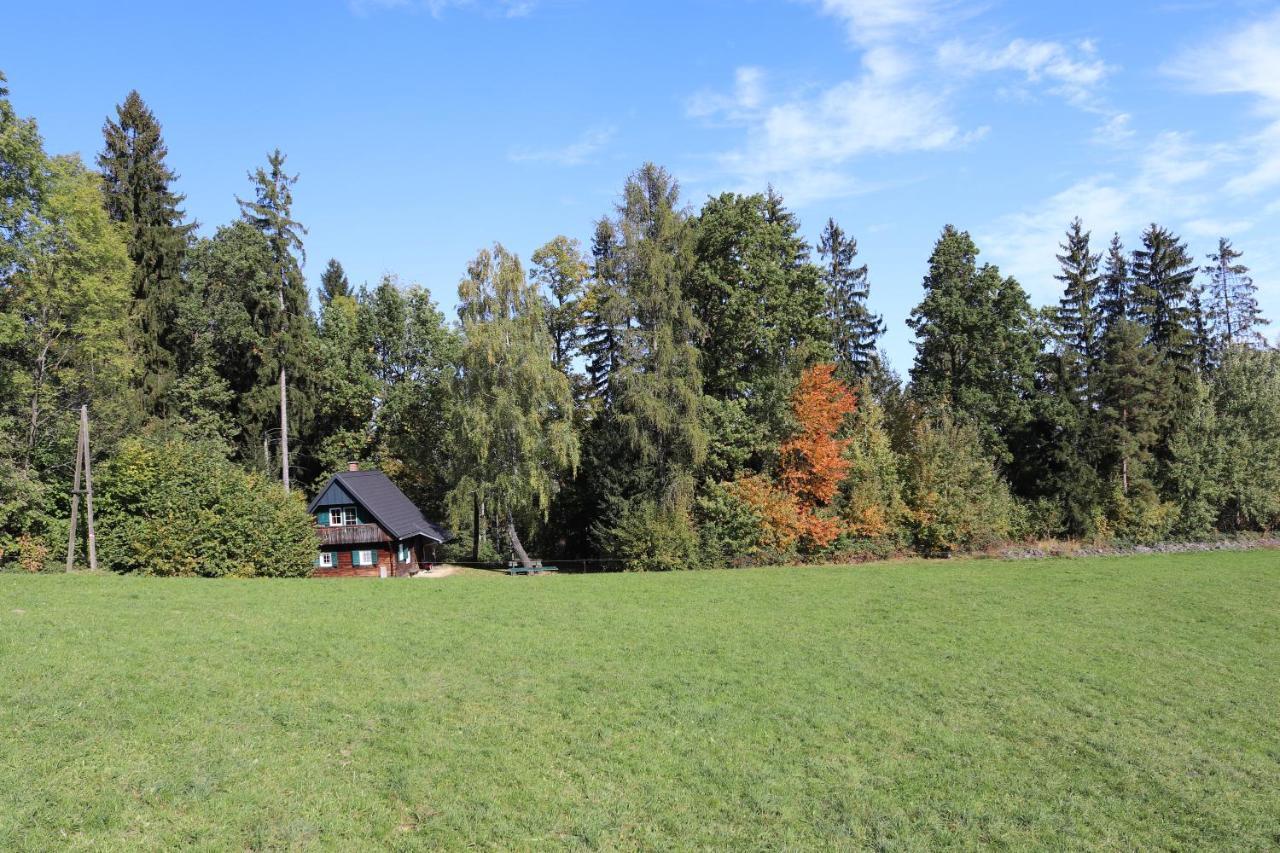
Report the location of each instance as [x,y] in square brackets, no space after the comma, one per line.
[811,466]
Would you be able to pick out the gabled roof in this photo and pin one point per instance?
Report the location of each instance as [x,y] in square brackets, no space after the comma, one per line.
[385,502]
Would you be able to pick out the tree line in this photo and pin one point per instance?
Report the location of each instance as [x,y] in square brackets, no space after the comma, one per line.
[693,387]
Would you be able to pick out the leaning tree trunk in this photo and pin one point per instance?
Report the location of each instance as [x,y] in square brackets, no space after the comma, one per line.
[515,542]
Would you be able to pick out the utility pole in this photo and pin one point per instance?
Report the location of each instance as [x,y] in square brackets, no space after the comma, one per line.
[82,464]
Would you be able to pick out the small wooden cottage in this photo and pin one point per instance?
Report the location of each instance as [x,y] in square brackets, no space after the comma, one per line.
[368,528]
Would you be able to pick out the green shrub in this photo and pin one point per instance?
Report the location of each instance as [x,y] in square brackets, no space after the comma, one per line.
[178,508]
[956,500]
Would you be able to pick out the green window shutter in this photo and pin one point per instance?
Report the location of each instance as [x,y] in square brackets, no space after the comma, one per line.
[322,518]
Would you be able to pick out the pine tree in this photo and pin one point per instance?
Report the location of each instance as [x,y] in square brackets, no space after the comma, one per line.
[1078,324]
[759,302]
[137,190]
[976,343]
[513,429]
[1233,302]
[334,282]
[649,435]
[1115,295]
[271,212]
[604,314]
[1129,406]
[1163,274]
[1204,343]
[855,331]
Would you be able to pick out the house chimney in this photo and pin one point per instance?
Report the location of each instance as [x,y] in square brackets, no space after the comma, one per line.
[353,466]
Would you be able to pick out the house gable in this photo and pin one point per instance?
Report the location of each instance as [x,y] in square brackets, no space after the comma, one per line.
[335,495]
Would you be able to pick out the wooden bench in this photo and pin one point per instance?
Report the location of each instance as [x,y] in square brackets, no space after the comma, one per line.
[514,568]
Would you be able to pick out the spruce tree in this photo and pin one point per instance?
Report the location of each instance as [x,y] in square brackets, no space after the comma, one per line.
[605,314]
[1077,321]
[334,282]
[759,302]
[649,435]
[976,342]
[1115,297]
[855,331]
[1163,275]
[1232,299]
[137,190]
[271,212]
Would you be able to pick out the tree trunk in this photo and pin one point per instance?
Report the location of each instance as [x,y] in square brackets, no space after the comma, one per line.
[515,542]
[475,528]
[284,429]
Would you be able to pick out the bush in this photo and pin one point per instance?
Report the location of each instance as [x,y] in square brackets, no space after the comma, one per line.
[956,500]
[178,508]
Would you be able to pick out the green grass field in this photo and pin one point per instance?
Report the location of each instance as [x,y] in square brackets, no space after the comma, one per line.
[1115,703]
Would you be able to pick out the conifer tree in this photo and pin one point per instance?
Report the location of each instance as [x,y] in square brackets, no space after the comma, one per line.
[649,435]
[1129,408]
[1163,274]
[855,331]
[137,191]
[334,282]
[1115,298]
[1232,298]
[759,302]
[1077,319]
[975,342]
[605,314]
[271,212]
[513,430]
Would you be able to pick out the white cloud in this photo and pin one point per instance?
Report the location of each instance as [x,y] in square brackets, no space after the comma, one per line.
[803,143]
[872,21]
[1115,131]
[574,154]
[1245,61]
[1073,72]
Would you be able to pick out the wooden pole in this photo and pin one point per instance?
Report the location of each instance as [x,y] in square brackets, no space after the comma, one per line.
[75,501]
[88,489]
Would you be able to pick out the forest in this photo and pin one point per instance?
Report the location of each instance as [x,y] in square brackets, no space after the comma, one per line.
[692,386]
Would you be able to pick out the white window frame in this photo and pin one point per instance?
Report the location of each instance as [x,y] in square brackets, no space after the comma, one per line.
[406,553]
[346,516]
[363,558]
[326,560]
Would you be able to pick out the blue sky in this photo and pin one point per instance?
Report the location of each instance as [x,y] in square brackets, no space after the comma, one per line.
[426,129]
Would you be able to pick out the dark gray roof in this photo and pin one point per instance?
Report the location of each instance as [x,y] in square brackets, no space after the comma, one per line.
[386,503]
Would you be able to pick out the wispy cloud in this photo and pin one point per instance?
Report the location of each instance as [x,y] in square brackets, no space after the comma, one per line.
[1073,72]
[1244,61]
[803,142]
[575,153]
[871,22]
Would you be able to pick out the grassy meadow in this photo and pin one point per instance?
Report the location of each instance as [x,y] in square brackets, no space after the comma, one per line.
[1111,703]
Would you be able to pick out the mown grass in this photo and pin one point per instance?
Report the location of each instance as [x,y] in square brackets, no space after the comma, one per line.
[1115,703]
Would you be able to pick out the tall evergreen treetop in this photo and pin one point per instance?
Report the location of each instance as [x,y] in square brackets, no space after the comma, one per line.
[1163,275]
[271,212]
[137,191]
[1077,314]
[334,282]
[1115,294]
[1232,298]
[855,331]
[976,343]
